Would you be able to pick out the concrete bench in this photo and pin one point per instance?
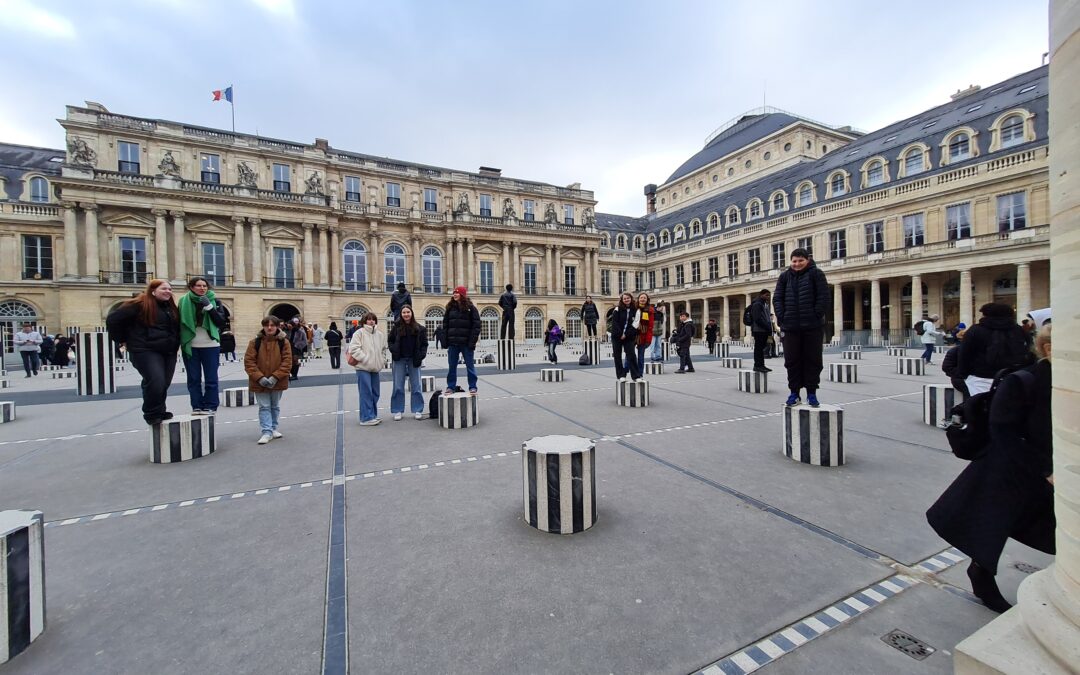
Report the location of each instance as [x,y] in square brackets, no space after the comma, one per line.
[813,435]
[237,397]
[551,374]
[458,411]
[182,438]
[938,400]
[559,481]
[844,372]
[22,581]
[632,394]
[910,365]
[753,382]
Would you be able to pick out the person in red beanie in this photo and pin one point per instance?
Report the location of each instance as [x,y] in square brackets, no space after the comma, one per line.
[461,326]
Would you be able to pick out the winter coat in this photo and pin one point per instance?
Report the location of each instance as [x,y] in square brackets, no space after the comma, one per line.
[658,320]
[333,338]
[508,302]
[228,342]
[683,335]
[47,346]
[298,338]
[625,322]
[646,327]
[990,345]
[710,332]
[760,317]
[396,339]
[461,326]
[317,338]
[590,315]
[399,299]
[801,299]
[368,347]
[930,333]
[554,335]
[63,345]
[1005,493]
[950,361]
[126,327]
[272,358]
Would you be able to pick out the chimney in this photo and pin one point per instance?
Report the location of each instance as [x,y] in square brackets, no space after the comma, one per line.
[650,198]
[961,93]
[489,171]
[322,144]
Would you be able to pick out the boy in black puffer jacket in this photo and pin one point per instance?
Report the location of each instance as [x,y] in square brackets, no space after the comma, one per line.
[800,302]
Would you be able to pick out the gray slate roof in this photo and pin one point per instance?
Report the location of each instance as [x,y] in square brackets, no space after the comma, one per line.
[749,129]
[18,160]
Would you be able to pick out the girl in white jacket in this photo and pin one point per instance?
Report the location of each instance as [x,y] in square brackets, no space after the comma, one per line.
[367,355]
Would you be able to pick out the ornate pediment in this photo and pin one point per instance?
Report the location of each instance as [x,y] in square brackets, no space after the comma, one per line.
[531,250]
[129,219]
[210,226]
[281,231]
[487,249]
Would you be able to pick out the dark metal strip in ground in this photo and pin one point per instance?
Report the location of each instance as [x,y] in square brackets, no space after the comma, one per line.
[335,656]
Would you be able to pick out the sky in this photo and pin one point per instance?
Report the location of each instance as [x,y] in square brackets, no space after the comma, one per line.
[612,94]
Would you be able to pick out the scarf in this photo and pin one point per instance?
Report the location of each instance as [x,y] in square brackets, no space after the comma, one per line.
[188,312]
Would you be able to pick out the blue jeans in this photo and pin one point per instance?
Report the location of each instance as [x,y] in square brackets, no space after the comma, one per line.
[470,366]
[202,379]
[31,362]
[657,354]
[928,352]
[402,369]
[269,409]
[367,384]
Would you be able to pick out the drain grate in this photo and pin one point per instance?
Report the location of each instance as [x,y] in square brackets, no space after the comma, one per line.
[1026,568]
[908,644]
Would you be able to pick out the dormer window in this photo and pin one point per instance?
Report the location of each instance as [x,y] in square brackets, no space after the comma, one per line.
[959,147]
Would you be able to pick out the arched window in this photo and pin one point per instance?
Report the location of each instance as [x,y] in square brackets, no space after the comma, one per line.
[914,161]
[732,215]
[680,232]
[573,324]
[489,324]
[638,242]
[958,147]
[394,264]
[753,209]
[714,222]
[433,318]
[650,242]
[695,228]
[432,262]
[355,312]
[665,237]
[1012,131]
[838,184]
[806,193]
[875,173]
[605,240]
[778,202]
[534,325]
[14,313]
[39,189]
[620,242]
[354,265]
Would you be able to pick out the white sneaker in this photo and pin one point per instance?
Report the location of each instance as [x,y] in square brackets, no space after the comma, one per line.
[622,379]
[276,434]
[264,439]
[370,423]
[419,416]
[397,417]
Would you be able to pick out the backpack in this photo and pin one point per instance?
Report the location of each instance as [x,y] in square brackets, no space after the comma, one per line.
[299,339]
[919,327]
[969,432]
[258,343]
[747,319]
[584,360]
[433,403]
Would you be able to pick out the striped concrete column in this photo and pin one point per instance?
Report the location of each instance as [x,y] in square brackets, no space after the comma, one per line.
[182,438]
[632,394]
[22,581]
[507,360]
[652,368]
[851,355]
[458,411]
[94,364]
[730,362]
[910,365]
[592,348]
[844,372]
[427,383]
[559,483]
[813,435]
[753,382]
[938,400]
[897,351]
[7,411]
[551,374]
[237,397]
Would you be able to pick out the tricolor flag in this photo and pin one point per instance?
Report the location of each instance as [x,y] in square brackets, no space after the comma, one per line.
[225,94]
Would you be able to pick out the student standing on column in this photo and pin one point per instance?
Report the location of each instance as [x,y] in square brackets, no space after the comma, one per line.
[461,326]
[508,303]
[200,343]
[761,327]
[625,322]
[800,302]
[590,316]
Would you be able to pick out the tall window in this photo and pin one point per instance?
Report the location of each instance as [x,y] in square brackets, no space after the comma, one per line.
[778,257]
[284,268]
[354,266]
[573,324]
[213,255]
[282,180]
[639,281]
[959,147]
[714,222]
[754,257]
[393,194]
[620,242]
[394,263]
[652,279]
[129,157]
[714,268]
[530,278]
[352,188]
[432,262]
[39,189]
[1012,212]
[875,237]
[732,215]
[875,175]
[487,276]
[530,209]
[958,220]
[429,200]
[665,277]
[132,260]
[680,275]
[568,214]
[837,185]
[733,264]
[485,205]
[1012,131]
[806,194]
[211,168]
[695,271]
[913,162]
[808,244]
[837,244]
[37,257]
[570,279]
[534,324]
[489,324]
[623,287]
[755,209]
[914,230]
[433,318]
[777,202]
[605,282]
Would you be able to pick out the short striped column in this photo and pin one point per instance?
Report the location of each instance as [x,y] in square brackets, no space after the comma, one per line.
[730,362]
[4,383]
[95,364]
[182,438]
[22,581]
[507,359]
[844,372]
[7,411]
[854,348]
[50,368]
[721,350]
[558,476]
[938,401]
[632,393]
[851,355]
[897,351]
[910,365]
[942,349]
[63,374]
[237,397]
[427,383]
[458,411]
[665,350]
[652,368]
[551,374]
[753,382]
[813,435]
[592,349]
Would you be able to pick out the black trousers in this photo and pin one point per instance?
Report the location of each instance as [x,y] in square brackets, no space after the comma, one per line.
[684,359]
[297,354]
[157,370]
[802,358]
[506,328]
[590,329]
[335,356]
[761,343]
[629,348]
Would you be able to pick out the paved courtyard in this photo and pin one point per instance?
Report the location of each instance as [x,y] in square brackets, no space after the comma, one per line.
[712,551]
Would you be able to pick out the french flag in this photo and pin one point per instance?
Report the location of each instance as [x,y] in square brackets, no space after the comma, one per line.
[223,94]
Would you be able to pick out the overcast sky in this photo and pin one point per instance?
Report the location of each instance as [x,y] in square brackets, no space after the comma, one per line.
[612,94]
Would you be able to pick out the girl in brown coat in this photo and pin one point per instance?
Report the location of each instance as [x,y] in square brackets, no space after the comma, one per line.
[267,361]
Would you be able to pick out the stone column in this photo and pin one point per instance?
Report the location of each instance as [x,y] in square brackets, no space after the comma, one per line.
[418,265]
[875,312]
[1042,633]
[308,252]
[324,258]
[746,329]
[725,320]
[560,285]
[838,310]
[470,266]
[896,309]
[459,265]
[704,318]
[514,271]
[857,307]
[161,249]
[239,273]
[448,271]
[916,298]
[335,260]
[258,255]
[71,240]
[376,273]
[596,267]
[179,270]
[93,257]
[506,263]
[547,269]
[1023,290]
[586,272]
[935,301]
[965,297]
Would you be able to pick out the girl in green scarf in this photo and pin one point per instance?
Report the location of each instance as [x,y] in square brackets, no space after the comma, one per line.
[201,317]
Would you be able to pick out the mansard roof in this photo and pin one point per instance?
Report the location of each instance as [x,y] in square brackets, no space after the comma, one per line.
[746,131]
[18,160]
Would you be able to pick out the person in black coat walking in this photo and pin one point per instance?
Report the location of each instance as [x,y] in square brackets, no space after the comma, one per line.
[801,301]
[996,342]
[461,325]
[508,303]
[711,330]
[333,339]
[1008,491]
[625,321]
[228,345]
[682,338]
[590,316]
[399,299]
[761,327]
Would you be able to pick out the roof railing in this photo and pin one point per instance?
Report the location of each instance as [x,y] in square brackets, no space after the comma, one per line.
[763,110]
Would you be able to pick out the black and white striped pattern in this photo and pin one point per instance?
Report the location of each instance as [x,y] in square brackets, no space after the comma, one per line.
[427,383]
[721,349]
[22,581]
[559,483]
[897,351]
[182,438]
[652,368]
[910,365]
[50,368]
[937,401]
[814,435]
[119,367]
[941,349]
[731,362]
[63,374]
[237,397]
[95,364]
[844,372]
[632,394]
[507,359]
[458,411]
[551,374]
[753,382]
[665,350]
[592,348]
[7,411]
[854,348]
[851,355]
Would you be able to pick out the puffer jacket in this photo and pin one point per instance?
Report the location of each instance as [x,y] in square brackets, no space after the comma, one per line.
[801,299]
[461,326]
[590,314]
[399,299]
[272,358]
[368,347]
[990,345]
[395,339]
[760,317]
[126,327]
[625,323]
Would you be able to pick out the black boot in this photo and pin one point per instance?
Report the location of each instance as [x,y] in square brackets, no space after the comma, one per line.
[985,588]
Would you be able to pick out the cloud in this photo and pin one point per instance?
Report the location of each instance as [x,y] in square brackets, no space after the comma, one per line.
[24,16]
[282,8]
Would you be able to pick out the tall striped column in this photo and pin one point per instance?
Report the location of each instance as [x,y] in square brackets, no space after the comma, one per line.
[559,483]
[753,382]
[507,358]
[22,581]
[592,349]
[938,400]
[813,435]
[94,364]
[910,365]
[721,350]
[665,350]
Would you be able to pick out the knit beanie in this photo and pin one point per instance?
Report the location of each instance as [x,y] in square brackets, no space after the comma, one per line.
[460,290]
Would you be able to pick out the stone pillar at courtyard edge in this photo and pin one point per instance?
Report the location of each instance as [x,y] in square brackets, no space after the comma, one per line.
[1042,633]
[1023,290]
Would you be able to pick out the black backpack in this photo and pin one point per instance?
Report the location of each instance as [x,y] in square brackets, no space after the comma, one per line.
[747,319]
[969,431]
[433,402]
[919,328]
[584,360]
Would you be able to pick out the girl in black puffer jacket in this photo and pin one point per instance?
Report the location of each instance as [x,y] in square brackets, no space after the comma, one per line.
[461,326]
[625,324]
